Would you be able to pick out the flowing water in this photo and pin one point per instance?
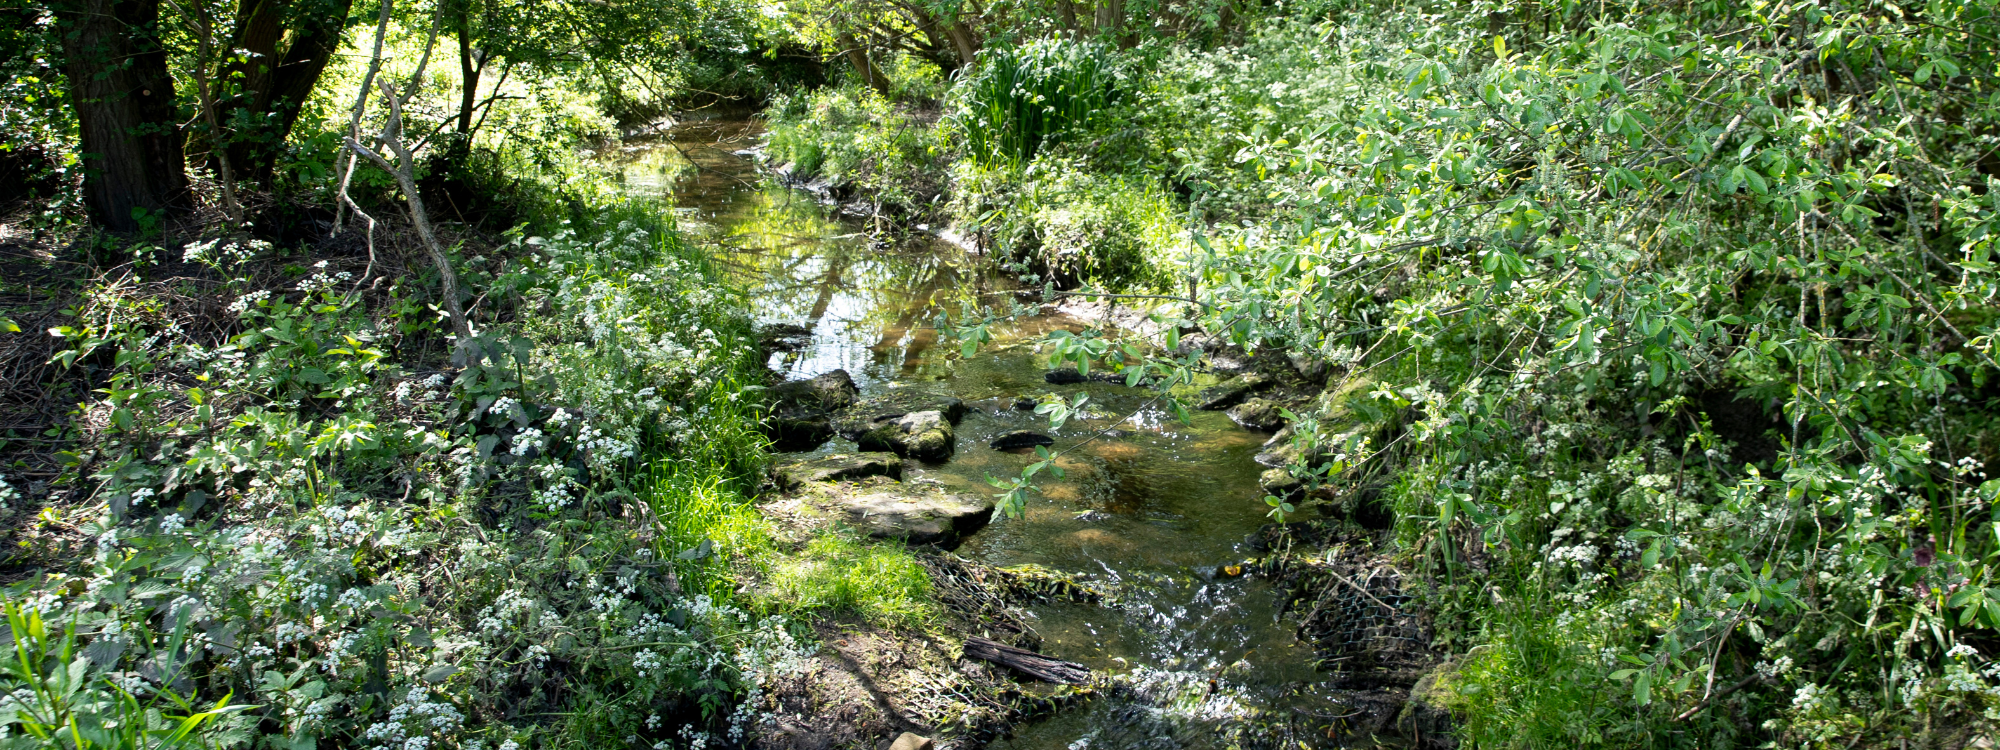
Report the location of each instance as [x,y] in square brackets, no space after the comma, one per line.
[1157,510]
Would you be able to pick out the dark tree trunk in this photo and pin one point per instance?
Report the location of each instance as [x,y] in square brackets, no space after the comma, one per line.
[291,42]
[468,70]
[1110,19]
[124,101]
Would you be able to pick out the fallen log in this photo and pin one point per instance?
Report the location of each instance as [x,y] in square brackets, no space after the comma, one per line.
[1027,662]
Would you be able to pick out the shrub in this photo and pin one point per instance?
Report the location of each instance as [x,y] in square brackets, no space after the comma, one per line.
[853,136]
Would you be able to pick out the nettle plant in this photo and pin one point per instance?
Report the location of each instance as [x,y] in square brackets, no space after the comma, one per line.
[297,540]
[1670,336]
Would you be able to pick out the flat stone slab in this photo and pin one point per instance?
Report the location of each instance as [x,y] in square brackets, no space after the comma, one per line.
[914,514]
[1231,392]
[794,474]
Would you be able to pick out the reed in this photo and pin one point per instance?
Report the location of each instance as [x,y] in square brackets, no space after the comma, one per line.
[1019,98]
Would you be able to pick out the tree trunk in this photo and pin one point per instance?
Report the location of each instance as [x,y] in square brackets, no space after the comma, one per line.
[301,36]
[857,56]
[124,102]
[964,40]
[1110,18]
[468,70]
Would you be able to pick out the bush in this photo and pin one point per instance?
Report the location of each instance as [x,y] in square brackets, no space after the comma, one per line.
[853,136]
[328,543]
[1064,225]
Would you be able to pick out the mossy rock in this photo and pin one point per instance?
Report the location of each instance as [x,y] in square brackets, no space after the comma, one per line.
[874,411]
[923,435]
[1259,414]
[802,411]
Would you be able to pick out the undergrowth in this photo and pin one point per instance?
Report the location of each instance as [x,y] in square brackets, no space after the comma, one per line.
[537,541]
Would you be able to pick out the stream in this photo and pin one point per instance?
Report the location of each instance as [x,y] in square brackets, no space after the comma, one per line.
[1158,510]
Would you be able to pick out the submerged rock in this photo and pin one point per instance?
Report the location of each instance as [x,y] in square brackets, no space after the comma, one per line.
[1071,376]
[1258,414]
[914,514]
[925,435]
[1231,392]
[1019,439]
[784,337]
[1025,404]
[801,411]
[793,474]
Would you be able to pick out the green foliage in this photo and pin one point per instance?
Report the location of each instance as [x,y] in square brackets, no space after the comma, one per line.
[60,696]
[1019,98]
[1066,225]
[1676,329]
[852,135]
[371,554]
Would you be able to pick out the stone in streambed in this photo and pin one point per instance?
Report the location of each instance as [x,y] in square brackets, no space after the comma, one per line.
[792,475]
[784,337]
[1231,392]
[914,514]
[1019,439]
[1281,484]
[924,435]
[875,411]
[1258,414]
[1072,376]
[801,411]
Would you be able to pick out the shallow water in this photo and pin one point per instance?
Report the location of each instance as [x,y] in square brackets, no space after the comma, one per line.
[1209,656]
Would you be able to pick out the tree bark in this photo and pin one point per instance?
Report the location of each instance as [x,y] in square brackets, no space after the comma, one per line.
[964,40]
[857,56]
[1027,662]
[124,102]
[290,43]
[1110,18]
[468,70]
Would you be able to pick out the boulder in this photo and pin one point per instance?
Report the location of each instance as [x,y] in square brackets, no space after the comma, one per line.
[1025,404]
[924,435]
[914,514]
[1280,483]
[1258,414]
[875,411]
[1231,392]
[791,475]
[801,411]
[1019,439]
